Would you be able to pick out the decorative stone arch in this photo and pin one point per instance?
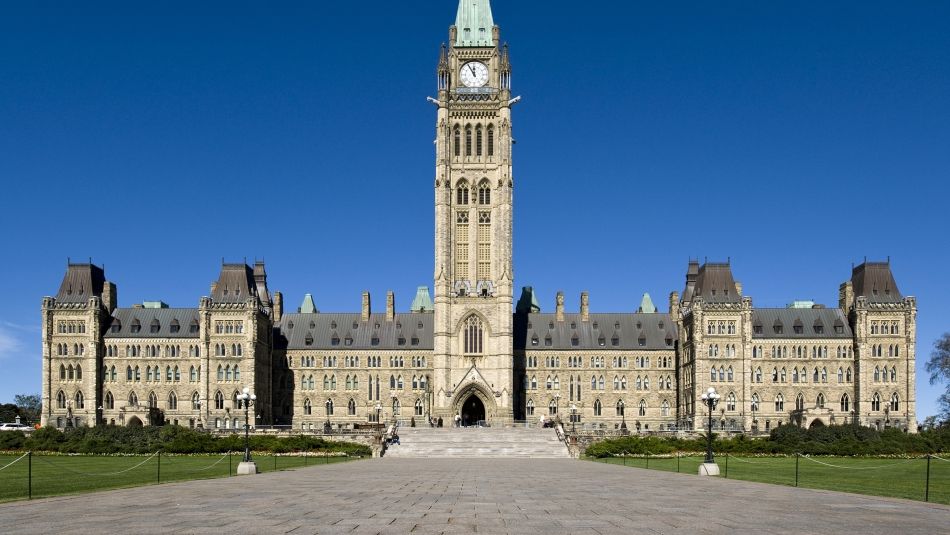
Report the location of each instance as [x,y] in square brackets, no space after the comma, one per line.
[479,391]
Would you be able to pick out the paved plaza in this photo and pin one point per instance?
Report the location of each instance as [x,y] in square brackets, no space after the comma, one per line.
[537,497]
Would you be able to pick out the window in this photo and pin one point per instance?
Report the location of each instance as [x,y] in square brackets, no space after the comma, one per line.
[642,409]
[152,400]
[597,408]
[800,402]
[307,407]
[61,400]
[876,402]
[468,140]
[195,401]
[457,135]
[552,407]
[473,336]
[820,401]
[219,400]
[665,408]
[779,403]
[731,402]
[478,140]
[491,140]
[895,402]
[172,402]
[755,402]
[620,408]
[529,408]
[351,408]
[133,400]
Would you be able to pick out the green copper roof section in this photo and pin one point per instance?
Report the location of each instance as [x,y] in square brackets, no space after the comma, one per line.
[474,24]
[528,304]
[308,306]
[423,301]
[646,305]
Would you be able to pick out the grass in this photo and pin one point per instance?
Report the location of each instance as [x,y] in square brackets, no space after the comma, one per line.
[895,478]
[54,475]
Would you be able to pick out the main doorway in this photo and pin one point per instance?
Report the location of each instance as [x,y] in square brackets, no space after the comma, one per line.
[473,411]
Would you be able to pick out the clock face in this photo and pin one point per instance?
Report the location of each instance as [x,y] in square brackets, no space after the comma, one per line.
[474,74]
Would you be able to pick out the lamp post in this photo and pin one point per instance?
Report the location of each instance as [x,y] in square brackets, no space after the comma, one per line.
[557,405]
[245,400]
[623,416]
[327,426]
[573,417]
[709,398]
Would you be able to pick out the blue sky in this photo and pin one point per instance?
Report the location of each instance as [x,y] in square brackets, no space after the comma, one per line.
[793,137]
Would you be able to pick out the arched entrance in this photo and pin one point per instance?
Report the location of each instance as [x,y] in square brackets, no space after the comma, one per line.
[473,411]
[135,422]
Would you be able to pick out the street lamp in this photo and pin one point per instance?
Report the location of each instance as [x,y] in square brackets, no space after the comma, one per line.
[573,416]
[623,416]
[327,426]
[709,398]
[245,399]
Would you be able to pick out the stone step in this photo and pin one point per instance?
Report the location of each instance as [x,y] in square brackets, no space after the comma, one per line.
[477,442]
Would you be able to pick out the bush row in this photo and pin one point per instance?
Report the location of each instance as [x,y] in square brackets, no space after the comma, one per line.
[843,440]
[170,439]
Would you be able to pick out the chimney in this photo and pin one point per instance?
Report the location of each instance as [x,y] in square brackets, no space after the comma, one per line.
[846,297]
[110,296]
[559,307]
[739,288]
[674,304]
[366,307]
[278,306]
[585,306]
[390,306]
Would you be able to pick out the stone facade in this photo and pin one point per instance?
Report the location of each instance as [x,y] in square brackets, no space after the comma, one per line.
[468,353]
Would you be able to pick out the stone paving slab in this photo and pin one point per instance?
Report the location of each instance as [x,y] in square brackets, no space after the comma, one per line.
[448,496]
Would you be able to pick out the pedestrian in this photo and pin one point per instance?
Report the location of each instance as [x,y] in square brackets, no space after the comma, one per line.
[440,421]
[458,420]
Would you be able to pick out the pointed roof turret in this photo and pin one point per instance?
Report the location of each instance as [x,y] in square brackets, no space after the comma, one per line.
[646,305]
[474,24]
[308,306]
[528,304]
[423,301]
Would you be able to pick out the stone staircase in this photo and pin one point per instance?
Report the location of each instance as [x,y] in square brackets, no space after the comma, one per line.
[423,442]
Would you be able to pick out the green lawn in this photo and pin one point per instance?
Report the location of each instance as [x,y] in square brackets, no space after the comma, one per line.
[59,474]
[897,478]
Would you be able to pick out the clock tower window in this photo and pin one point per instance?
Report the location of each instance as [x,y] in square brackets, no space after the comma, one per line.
[491,140]
[478,140]
[458,141]
[468,140]
[461,197]
[473,336]
[484,193]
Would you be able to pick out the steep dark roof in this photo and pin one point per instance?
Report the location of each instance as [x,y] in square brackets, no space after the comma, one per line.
[715,284]
[235,284]
[294,331]
[692,271]
[811,320]
[124,318]
[875,281]
[81,282]
[596,334]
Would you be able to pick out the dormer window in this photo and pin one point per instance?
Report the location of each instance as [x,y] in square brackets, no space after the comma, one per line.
[573,325]
[414,341]
[777,328]
[602,342]
[136,326]
[348,341]
[374,341]
[575,341]
[313,325]
[193,328]
[819,329]
[642,342]
[309,340]
[116,326]
[798,329]
[335,341]
[175,326]
[839,329]
[757,329]
[401,341]
[615,341]
[333,325]
[356,325]
[660,326]
[595,325]
[534,340]
[669,341]
[548,342]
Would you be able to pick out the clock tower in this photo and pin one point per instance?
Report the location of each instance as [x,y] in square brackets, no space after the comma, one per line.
[473,222]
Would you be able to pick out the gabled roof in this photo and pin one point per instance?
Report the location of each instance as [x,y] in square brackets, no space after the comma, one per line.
[294,330]
[875,281]
[714,283]
[810,320]
[164,318]
[692,271]
[474,23]
[81,282]
[596,334]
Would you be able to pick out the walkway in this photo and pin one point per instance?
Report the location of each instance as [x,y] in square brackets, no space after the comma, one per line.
[537,497]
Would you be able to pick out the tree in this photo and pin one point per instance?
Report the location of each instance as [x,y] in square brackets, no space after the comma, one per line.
[30,406]
[939,368]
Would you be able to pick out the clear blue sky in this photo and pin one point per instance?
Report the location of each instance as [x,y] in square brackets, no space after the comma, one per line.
[793,137]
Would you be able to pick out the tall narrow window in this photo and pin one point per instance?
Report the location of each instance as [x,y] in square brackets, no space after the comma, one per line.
[484,193]
[484,246]
[468,140]
[478,140]
[491,140]
[473,336]
[458,140]
[461,245]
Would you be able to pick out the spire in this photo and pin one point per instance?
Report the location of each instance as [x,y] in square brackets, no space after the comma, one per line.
[474,24]
[646,305]
[308,306]
[422,301]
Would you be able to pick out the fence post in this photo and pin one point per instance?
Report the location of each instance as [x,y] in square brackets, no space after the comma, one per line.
[797,455]
[677,462]
[29,477]
[927,486]
[159,466]
[229,464]
[726,474]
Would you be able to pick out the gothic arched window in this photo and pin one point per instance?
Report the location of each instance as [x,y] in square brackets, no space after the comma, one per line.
[468,140]
[461,197]
[473,336]
[110,400]
[478,140]
[491,140]
[845,403]
[484,193]
[458,140]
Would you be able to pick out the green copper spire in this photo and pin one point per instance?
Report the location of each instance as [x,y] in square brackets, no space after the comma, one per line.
[646,305]
[422,301]
[474,23]
[308,306]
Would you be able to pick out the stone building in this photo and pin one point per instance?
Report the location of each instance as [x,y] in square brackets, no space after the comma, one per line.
[471,351]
